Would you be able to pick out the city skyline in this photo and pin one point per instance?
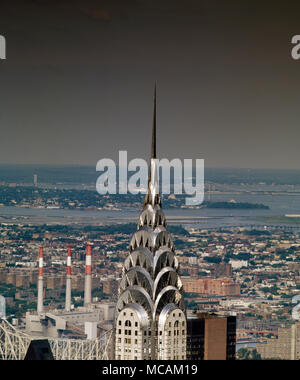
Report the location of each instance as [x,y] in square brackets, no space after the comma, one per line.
[80,74]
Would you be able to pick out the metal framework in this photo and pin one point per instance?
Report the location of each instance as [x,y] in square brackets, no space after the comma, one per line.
[14,344]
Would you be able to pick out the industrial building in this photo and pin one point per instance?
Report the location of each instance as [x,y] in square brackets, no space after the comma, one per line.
[82,333]
[83,322]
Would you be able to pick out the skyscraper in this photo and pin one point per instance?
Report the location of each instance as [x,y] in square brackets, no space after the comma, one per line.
[150,320]
[211,337]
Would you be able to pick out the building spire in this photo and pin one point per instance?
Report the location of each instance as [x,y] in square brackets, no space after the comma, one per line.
[153,145]
[152,195]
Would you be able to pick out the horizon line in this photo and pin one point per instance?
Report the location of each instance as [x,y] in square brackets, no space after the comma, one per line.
[91,166]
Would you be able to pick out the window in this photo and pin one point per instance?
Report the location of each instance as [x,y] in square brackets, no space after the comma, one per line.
[128,323]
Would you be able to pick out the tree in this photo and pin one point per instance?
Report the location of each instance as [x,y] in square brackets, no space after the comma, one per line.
[246,354]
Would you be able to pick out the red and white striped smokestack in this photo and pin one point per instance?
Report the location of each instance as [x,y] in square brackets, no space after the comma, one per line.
[40,307]
[68,283]
[69,261]
[88,276]
[41,262]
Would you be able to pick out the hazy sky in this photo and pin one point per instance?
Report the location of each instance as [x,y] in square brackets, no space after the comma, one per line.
[78,81]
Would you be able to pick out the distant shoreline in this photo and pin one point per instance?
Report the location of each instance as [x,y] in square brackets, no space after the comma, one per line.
[277,219]
[235,205]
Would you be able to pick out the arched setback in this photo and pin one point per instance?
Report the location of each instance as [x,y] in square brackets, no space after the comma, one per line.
[167,276]
[172,330]
[142,238]
[137,276]
[170,294]
[132,341]
[152,217]
[141,256]
[164,257]
[137,295]
[151,239]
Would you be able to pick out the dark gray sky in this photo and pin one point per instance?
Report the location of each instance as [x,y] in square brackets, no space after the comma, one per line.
[78,81]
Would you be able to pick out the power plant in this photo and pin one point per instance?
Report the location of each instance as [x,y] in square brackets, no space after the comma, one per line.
[78,333]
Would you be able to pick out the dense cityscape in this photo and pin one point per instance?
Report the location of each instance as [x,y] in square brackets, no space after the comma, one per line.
[251,273]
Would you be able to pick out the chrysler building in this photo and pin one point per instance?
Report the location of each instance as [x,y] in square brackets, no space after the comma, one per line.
[150,320]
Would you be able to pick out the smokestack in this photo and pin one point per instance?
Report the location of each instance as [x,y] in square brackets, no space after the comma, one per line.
[68,283]
[40,307]
[88,276]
